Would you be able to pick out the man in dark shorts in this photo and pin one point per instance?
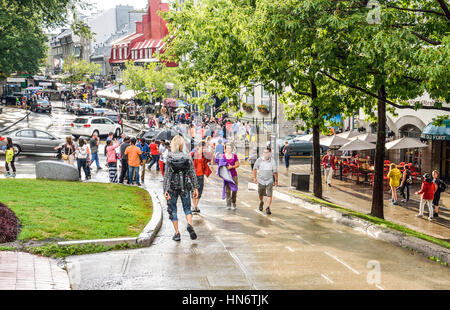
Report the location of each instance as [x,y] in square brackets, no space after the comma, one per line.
[201,169]
[264,171]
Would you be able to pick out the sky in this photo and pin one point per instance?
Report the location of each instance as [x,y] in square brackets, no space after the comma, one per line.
[107,4]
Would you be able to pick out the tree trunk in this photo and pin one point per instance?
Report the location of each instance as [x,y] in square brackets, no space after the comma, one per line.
[317,184]
[377,194]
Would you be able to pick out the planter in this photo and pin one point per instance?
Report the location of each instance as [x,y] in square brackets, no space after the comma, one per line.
[263,109]
[247,107]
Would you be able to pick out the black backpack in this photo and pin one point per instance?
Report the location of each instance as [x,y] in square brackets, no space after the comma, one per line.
[442,186]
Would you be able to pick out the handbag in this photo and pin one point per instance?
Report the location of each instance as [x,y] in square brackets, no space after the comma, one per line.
[65,157]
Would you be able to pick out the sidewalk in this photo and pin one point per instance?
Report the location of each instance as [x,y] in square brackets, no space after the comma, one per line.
[23,271]
[10,116]
[359,198]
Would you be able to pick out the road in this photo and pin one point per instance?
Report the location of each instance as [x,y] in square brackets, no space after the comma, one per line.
[245,249]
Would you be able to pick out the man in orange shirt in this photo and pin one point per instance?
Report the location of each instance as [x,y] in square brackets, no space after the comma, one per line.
[133,154]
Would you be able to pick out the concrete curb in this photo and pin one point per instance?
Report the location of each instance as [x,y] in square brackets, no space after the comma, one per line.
[145,238]
[15,123]
[150,231]
[375,231]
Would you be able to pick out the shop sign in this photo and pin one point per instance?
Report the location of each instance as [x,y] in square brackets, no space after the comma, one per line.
[15,80]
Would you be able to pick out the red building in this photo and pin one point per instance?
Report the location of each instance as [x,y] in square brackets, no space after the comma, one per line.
[141,46]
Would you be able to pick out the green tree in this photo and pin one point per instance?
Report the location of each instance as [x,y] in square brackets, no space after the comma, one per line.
[79,71]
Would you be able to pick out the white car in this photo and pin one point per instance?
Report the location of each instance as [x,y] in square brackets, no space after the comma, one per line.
[87,126]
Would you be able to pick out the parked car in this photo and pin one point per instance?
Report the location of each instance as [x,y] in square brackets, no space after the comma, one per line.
[31,140]
[83,109]
[300,147]
[114,116]
[70,104]
[41,105]
[88,125]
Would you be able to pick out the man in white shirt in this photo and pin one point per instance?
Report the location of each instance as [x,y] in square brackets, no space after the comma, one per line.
[264,173]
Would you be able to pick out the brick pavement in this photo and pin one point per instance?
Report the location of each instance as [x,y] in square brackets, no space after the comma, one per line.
[23,271]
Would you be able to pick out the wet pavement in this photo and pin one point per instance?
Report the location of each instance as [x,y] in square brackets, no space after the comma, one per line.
[293,248]
[359,198]
[246,249]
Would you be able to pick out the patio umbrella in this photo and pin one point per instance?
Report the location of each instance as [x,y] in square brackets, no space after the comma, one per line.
[333,141]
[404,143]
[348,134]
[166,135]
[308,138]
[367,137]
[357,145]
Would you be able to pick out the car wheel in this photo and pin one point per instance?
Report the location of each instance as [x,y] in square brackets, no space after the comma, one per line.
[19,149]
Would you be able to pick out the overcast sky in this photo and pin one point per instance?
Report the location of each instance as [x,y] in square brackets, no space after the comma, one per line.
[107,4]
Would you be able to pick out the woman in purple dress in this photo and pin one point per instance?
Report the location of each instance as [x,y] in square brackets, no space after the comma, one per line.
[232,162]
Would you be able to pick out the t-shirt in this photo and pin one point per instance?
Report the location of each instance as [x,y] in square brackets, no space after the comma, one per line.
[232,162]
[266,169]
[133,153]
[154,149]
[93,145]
[144,149]
[123,147]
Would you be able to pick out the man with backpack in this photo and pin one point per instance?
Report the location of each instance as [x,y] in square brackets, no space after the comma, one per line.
[441,187]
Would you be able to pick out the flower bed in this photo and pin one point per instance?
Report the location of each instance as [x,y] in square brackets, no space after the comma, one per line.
[8,224]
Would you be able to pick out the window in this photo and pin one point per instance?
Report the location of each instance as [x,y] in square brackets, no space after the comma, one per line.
[125,53]
[80,121]
[120,53]
[114,53]
[43,135]
[146,53]
[250,99]
[142,53]
[97,121]
[108,122]
[25,134]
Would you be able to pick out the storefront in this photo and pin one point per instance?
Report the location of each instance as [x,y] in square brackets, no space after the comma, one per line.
[440,137]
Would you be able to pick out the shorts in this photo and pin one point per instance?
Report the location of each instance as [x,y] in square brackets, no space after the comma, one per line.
[265,190]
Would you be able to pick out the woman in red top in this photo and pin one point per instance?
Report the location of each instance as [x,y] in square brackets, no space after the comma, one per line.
[201,169]
[427,191]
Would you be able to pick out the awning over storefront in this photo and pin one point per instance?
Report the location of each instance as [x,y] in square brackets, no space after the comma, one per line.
[405,143]
[432,132]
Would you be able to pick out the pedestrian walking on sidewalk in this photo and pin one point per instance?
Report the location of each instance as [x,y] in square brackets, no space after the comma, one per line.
[67,151]
[111,159]
[440,188]
[253,156]
[328,166]
[394,177]
[230,162]
[145,149]
[287,155]
[200,159]
[179,181]
[264,173]
[10,158]
[82,156]
[406,183]
[134,156]
[124,161]
[154,151]
[163,152]
[94,142]
[427,191]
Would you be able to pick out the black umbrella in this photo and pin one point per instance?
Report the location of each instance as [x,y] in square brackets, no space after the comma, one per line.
[166,135]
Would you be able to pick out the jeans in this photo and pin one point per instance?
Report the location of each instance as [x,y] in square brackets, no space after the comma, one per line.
[231,196]
[133,171]
[12,165]
[95,157]
[155,159]
[82,163]
[286,160]
[172,204]
[402,191]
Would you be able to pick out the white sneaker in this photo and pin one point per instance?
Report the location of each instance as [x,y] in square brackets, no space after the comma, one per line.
[430,219]
[234,206]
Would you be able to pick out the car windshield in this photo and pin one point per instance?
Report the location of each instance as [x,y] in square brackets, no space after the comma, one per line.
[80,121]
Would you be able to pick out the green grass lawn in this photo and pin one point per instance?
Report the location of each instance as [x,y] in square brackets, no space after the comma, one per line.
[76,211]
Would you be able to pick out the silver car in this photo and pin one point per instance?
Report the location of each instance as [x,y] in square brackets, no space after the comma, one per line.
[31,140]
